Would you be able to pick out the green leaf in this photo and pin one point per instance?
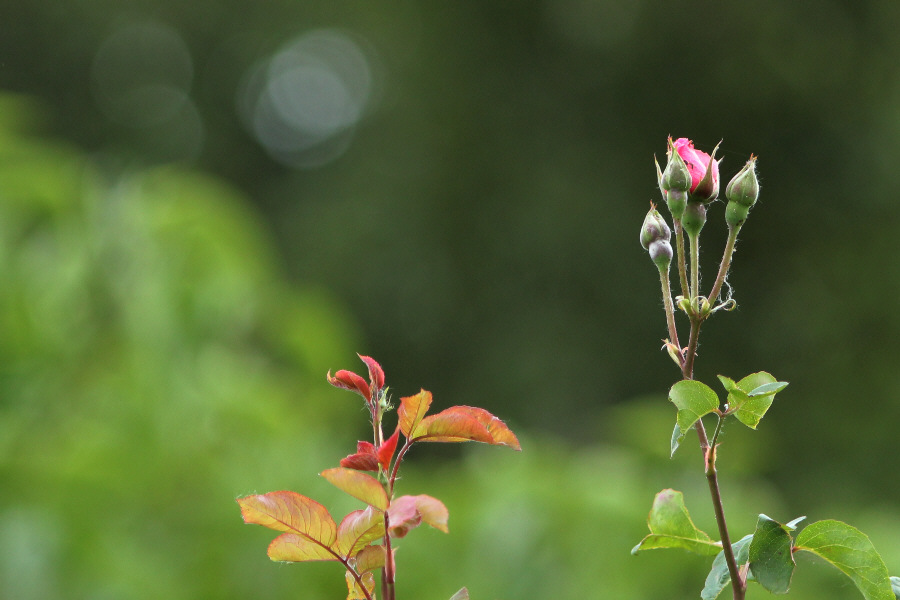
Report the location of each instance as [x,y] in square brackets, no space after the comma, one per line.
[719,577]
[359,485]
[677,438]
[671,527]
[770,555]
[693,400]
[751,397]
[851,551]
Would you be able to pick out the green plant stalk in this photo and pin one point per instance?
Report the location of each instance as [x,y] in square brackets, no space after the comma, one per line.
[695,270]
[738,585]
[682,271]
[725,264]
[670,310]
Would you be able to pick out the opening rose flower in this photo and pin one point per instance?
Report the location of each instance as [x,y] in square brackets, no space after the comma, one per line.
[704,169]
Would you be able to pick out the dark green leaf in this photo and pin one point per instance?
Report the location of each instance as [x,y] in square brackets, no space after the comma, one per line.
[671,527]
[851,551]
[719,577]
[770,555]
[693,400]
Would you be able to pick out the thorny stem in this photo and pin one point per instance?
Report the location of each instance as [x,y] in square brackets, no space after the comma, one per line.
[738,585]
[387,572]
[725,265]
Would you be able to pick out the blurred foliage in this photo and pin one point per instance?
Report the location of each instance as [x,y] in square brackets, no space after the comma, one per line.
[474,205]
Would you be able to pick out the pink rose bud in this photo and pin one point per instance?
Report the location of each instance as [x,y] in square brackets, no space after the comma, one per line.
[703,168]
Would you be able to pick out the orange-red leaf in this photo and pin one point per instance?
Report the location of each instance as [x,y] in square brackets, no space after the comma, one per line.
[358,530]
[407,512]
[359,485]
[385,452]
[412,410]
[465,423]
[364,459]
[347,380]
[376,374]
[501,434]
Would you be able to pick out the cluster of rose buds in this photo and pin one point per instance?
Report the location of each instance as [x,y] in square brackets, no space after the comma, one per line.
[688,184]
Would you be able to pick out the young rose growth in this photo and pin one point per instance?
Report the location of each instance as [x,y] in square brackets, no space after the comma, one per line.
[655,238]
[742,192]
[703,168]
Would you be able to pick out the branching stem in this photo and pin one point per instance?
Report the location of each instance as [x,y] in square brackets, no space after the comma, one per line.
[725,264]
[738,585]
[670,310]
[682,271]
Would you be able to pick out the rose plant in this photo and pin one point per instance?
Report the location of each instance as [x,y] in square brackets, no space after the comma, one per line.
[363,541]
[689,184]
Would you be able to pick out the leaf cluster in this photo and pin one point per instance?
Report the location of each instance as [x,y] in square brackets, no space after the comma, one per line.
[361,542]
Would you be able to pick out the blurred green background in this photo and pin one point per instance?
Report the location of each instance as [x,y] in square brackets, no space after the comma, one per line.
[204,206]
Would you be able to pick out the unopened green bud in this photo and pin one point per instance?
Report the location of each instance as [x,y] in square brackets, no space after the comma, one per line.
[742,192]
[694,218]
[676,176]
[655,236]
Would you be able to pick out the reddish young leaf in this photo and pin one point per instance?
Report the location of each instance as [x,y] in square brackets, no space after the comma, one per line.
[386,451]
[412,410]
[359,485]
[465,423]
[358,530]
[407,512]
[376,374]
[501,434]
[364,459]
[347,380]
[369,559]
[452,425]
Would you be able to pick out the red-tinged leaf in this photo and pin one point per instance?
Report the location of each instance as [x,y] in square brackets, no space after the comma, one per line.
[500,433]
[347,380]
[408,512]
[433,512]
[452,425]
[376,374]
[412,410]
[358,530]
[361,462]
[293,547]
[369,559]
[364,459]
[359,485]
[386,451]
[354,591]
[292,513]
